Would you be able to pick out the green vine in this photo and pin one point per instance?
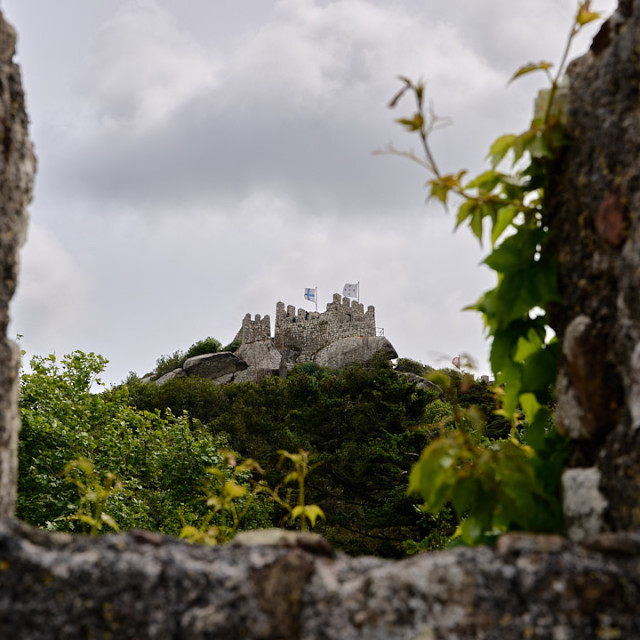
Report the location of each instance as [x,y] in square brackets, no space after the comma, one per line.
[506,206]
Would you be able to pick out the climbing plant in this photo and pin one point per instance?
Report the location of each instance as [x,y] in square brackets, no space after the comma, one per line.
[507,207]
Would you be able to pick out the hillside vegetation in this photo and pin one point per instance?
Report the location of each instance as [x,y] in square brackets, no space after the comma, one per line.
[152,456]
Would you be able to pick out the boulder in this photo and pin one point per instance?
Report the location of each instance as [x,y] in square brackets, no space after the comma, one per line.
[213,365]
[176,373]
[347,351]
[260,355]
[254,375]
[228,378]
[421,382]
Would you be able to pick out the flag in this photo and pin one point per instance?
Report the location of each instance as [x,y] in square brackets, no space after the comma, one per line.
[310,294]
[350,290]
[456,362]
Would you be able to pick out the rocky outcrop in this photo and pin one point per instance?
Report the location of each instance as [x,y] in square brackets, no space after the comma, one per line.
[221,367]
[260,355]
[348,351]
[421,383]
[17,170]
[213,365]
[342,335]
[172,375]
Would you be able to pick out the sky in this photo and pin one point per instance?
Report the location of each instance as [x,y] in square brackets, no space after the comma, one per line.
[199,160]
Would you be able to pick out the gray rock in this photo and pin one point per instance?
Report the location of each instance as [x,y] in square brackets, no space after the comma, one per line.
[254,375]
[582,503]
[228,378]
[346,351]
[269,585]
[17,170]
[420,382]
[260,355]
[214,365]
[172,375]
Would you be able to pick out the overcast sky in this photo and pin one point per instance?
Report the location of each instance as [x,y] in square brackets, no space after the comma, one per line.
[201,159]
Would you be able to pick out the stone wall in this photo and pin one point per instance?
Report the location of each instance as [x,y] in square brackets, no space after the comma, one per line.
[276,586]
[304,333]
[255,330]
[17,170]
[593,211]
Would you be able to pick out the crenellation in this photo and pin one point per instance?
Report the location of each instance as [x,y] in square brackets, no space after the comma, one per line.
[256,330]
[304,333]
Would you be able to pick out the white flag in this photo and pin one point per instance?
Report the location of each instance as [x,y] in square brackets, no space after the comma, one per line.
[350,290]
[310,294]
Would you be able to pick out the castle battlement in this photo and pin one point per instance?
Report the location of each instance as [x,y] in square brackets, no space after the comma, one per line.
[257,330]
[304,333]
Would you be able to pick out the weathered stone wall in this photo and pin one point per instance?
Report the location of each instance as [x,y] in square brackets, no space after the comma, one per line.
[300,334]
[270,586]
[17,170]
[306,333]
[593,209]
[256,330]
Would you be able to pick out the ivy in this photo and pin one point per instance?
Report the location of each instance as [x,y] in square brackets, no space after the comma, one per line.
[504,487]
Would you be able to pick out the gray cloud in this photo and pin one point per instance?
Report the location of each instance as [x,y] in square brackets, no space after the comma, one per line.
[201,160]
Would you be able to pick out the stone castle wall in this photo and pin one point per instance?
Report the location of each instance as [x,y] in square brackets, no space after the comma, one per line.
[257,330]
[306,332]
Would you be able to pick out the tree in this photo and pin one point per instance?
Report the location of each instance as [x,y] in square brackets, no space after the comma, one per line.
[160,461]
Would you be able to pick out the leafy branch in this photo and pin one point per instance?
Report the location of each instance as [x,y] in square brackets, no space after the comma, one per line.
[524,352]
[298,510]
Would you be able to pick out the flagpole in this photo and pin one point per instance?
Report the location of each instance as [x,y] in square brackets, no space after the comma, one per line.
[358,291]
[316,298]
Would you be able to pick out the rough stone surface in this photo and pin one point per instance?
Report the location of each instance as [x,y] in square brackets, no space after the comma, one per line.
[300,335]
[421,382]
[230,377]
[17,170]
[346,351]
[260,355]
[583,504]
[270,586]
[172,375]
[252,374]
[593,209]
[213,365]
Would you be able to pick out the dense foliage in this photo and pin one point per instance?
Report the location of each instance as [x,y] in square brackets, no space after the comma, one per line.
[157,447]
[160,462]
[363,425]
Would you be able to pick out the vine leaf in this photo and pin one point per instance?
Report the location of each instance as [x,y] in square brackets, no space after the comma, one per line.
[530,68]
[503,220]
[499,149]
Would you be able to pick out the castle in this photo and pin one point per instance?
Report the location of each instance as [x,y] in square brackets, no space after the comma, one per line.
[303,334]
[342,335]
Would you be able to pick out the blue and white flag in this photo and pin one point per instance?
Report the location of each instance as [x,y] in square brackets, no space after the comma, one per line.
[350,290]
[310,294]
